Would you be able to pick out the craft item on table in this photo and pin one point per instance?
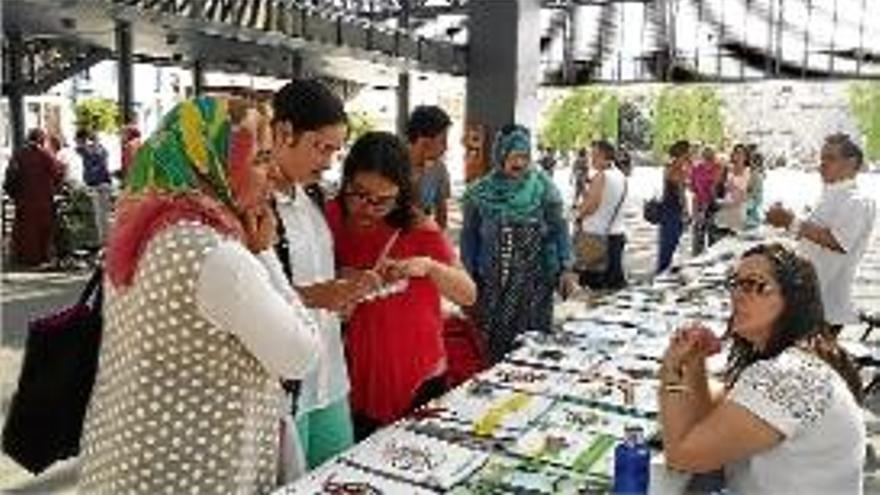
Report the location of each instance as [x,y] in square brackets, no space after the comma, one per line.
[524,378]
[417,458]
[570,310]
[508,475]
[337,478]
[494,412]
[573,447]
[613,391]
[570,357]
[602,419]
[609,337]
[637,366]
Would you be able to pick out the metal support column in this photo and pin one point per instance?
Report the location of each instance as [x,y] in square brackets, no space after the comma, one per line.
[403,79]
[125,71]
[403,82]
[198,75]
[502,83]
[16,93]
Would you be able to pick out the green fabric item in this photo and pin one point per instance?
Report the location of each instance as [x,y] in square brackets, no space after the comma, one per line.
[499,196]
[325,433]
[191,143]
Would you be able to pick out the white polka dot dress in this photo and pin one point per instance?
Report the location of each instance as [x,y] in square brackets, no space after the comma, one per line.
[179,406]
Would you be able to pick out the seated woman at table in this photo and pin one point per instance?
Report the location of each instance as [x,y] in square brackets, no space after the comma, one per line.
[394,345]
[788,419]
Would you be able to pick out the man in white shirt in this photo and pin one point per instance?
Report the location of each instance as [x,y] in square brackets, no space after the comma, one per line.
[835,235]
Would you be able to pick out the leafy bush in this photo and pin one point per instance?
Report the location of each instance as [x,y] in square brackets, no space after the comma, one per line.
[584,115]
[97,115]
[864,101]
[692,113]
[359,123]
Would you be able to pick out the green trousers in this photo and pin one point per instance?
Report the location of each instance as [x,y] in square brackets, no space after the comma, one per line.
[326,432]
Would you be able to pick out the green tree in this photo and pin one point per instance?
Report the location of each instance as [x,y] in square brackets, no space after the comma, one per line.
[864,101]
[584,115]
[692,113]
[359,123]
[97,115]
[635,127]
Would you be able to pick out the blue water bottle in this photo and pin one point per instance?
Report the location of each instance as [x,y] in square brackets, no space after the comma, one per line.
[632,461]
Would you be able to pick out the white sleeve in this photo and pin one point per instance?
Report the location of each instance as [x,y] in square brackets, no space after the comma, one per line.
[235,293]
[854,221]
[276,274]
[788,398]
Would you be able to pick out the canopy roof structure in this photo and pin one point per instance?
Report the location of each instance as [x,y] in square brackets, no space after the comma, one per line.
[370,41]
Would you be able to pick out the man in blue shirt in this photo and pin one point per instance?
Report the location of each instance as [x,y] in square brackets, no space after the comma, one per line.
[427,133]
[96,175]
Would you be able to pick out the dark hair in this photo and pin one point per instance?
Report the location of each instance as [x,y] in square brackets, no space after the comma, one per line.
[604,146]
[847,148]
[384,154]
[802,321]
[82,134]
[746,153]
[36,136]
[679,149]
[307,105]
[624,161]
[426,121]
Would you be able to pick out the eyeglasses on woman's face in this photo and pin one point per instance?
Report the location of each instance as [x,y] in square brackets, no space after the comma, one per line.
[750,285]
[379,202]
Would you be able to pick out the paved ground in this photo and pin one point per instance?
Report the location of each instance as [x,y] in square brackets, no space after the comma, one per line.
[28,294]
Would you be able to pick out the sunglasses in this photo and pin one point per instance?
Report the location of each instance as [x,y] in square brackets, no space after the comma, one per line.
[749,285]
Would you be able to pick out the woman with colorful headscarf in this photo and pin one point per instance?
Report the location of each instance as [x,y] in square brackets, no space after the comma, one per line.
[196,340]
[514,242]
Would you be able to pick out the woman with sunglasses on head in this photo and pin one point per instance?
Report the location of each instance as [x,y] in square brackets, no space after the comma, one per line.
[196,339]
[514,242]
[788,418]
[396,359]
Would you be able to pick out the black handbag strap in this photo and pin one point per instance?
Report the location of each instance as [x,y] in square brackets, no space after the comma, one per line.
[617,208]
[93,287]
[282,247]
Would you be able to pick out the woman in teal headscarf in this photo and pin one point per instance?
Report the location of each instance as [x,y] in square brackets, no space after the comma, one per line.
[514,242]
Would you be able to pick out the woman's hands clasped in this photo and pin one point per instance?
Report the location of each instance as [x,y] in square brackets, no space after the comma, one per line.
[688,346]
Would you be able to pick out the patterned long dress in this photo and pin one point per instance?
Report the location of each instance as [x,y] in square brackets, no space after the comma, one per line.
[516,293]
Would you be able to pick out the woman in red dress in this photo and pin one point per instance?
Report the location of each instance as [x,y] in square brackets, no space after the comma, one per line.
[394,345]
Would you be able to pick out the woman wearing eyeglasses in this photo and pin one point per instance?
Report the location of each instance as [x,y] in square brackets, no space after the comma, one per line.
[787,418]
[514,242]
[396,359]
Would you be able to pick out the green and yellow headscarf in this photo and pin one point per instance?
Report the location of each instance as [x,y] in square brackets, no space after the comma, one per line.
[189,169]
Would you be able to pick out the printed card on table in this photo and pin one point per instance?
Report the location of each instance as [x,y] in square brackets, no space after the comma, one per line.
[418,458]
[503,475]
[485,410]
[338,478]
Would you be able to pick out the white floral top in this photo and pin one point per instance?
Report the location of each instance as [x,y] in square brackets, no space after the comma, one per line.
[806,401]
